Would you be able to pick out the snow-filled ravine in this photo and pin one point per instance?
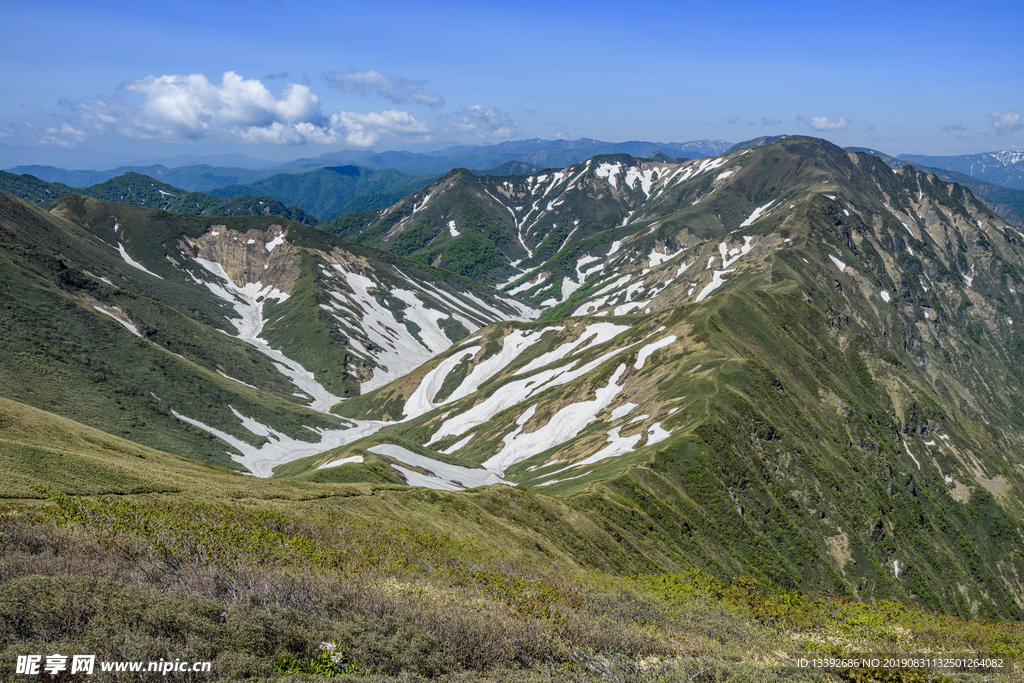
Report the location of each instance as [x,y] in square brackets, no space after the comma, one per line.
[248,303]
[403,354]
[556,367]
[279,448]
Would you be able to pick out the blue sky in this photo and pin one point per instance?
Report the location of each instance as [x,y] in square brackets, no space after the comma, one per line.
[291,79]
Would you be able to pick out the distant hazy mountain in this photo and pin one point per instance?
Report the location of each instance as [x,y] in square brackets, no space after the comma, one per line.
[541,153]
[80,158]
[1004,168]
[511,168]
[141,190]
[198,178]
[205,173]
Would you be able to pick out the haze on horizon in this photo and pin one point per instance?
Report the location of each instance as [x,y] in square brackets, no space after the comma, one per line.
[286,79]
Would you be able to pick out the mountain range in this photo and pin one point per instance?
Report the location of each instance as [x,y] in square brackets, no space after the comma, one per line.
[1004,168]
[201,174]
[140,190]
[793,362]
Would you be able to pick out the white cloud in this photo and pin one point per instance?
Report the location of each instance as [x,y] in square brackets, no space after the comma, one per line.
[1006,120]
[394,88]
[365,130]
[824,123]
[177,108]
[65,136]
[482,122]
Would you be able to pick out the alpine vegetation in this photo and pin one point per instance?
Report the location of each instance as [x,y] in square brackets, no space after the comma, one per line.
[579,422]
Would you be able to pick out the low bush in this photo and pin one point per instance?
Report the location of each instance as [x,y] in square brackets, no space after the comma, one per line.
[271,596]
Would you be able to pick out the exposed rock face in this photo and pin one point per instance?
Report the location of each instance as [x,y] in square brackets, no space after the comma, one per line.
[263,256]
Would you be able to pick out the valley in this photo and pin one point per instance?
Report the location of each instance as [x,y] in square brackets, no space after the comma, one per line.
[785,370]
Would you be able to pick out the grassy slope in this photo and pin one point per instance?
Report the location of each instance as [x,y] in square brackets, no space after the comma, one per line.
[750,483]
[62,356]
[807,393]
[65,357]
[254,574]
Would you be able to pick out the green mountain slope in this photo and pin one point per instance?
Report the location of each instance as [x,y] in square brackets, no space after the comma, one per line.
[818,394]
[792,362]
[147,324]
[328,192]
[1005,202]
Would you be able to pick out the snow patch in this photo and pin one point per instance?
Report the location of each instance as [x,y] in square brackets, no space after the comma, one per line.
[445,476]
[417,209]
[564,425]
[527,285]
[756,214]
[422,400]
[735,253]
[568,287]
[127,325]
[656,434]
[276,242]
[341,461]
[458,445]
[645,177]
[617,445]
[646,351]
[281,448]
[133,263]
[656,258]
[630,306]
[716,282]
[241,382]
[623,410]
[911,454]
[609,171]
[839,264]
